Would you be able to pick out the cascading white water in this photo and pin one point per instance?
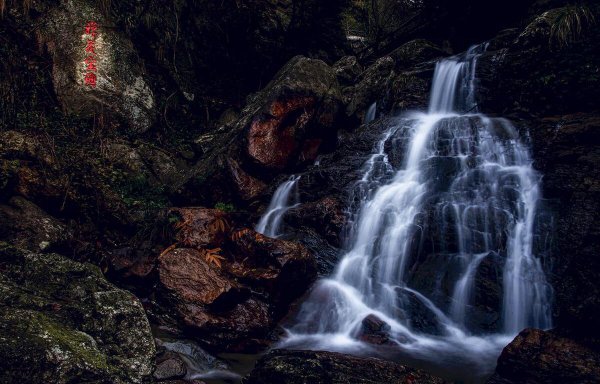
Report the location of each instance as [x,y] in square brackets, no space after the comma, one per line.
[472,177]
[371,113]
[284,198]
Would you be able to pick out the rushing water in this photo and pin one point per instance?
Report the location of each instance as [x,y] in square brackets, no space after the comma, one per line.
[464,198]
[284,198]
[371,113]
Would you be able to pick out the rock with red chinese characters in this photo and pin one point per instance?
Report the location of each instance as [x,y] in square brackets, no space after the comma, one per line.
[95,68]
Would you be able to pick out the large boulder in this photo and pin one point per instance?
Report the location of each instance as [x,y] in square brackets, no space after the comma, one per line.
[371,87]
[186,275]
[26,225]
[228,286]
[285,126]
[62,322]
[536,357]
[298,367]
[119,84]
[290,120]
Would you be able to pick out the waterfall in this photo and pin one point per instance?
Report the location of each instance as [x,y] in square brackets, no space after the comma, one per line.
[467,182]
[371,113]
[284,198]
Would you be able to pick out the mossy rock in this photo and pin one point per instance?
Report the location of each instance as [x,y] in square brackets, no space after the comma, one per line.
[62,322]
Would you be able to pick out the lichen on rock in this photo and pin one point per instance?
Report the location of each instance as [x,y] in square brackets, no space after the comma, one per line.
[62,322]
[120,85]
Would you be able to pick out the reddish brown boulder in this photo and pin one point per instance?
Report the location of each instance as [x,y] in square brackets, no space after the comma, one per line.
[131,263]
[201,227]
[290,120]
[185,274]
[247,187]
[241,328]
[285,269]
[272,136]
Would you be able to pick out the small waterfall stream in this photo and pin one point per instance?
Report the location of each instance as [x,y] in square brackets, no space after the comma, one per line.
[285,197]
[371,113]
[466,185]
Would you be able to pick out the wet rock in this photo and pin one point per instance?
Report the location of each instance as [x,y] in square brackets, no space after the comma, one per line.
[129,263]
[326,255]
[61,322]
[375,331]
[120,87]
[248,187]
[26,225]
[126,157]
[565,152]
[536,356]
[371,87]
[325,216]
[169,366]
[186,275]
[201,227]
[295,112]
[410,90]
[534,74]
[209,303]
[415,52]
[347,69]
[296,367]
[284,126]
[196,359]
[285,269]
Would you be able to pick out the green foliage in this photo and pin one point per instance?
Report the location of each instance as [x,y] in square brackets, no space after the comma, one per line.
[569,23]
[566,25]
[225,207]
[137,192]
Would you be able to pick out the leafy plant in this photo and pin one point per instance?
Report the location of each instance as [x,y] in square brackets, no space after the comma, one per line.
[225,207]
[219,225]
[212,256]
[569,24]
[566,25]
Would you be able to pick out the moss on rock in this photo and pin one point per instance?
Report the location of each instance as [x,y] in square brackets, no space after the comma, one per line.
[62,322]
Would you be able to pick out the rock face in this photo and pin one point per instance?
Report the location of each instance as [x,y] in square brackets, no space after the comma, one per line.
[415,52]
[374,331]
[61,322]
[293,116]
[298,367]
[325,215]
[566,153]
[283,127]
[26,225]
[120,84]
[526,71]
[370,87]
[535,356]
[229,287]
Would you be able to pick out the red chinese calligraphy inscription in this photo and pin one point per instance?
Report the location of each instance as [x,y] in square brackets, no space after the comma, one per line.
[91,31]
